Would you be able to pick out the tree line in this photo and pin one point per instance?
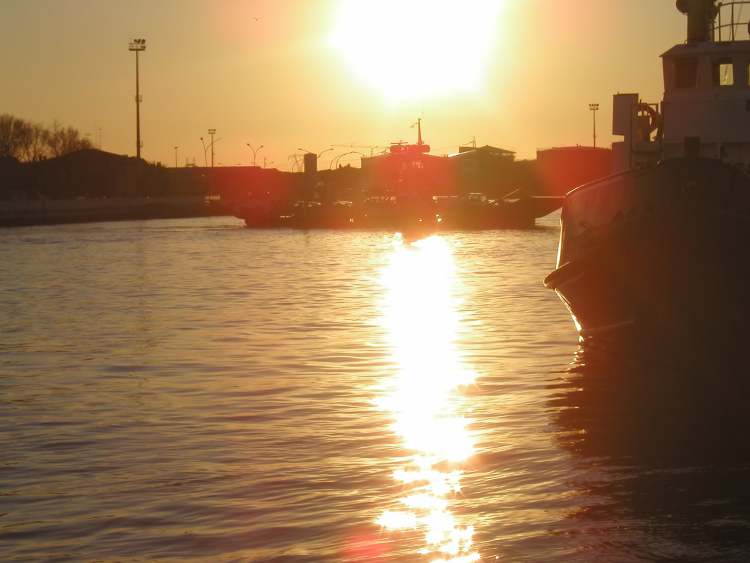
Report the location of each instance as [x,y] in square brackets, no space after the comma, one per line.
[27,141]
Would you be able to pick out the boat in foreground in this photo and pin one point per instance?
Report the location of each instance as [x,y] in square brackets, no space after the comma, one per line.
[662,245]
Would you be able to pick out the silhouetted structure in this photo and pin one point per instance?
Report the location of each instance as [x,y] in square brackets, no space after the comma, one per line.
[137,46]
[92,185]
[487,170]
[408,171]
[662,244]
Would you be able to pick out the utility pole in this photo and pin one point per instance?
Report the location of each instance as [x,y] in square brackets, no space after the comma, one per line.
[594,108]
[212,132]
[136,46]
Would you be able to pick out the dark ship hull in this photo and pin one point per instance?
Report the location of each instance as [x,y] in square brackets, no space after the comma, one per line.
[389,214]
[662,250]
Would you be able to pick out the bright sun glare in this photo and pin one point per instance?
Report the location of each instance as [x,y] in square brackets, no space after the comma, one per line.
[417,49]
[421,313]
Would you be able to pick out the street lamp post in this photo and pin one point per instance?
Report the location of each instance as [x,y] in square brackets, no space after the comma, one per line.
[336,160]
[205,159]
[594,108]
[255,151]
[175,155]
[212,132]
[136,46]
[319,154]
[294,162]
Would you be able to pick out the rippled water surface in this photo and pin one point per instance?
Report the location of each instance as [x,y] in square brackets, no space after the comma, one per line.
[193,390]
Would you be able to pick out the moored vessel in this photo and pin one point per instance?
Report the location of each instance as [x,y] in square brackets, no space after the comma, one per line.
[661,244]
[406,188]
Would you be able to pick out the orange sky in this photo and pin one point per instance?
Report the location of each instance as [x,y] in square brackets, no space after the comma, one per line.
[281,81]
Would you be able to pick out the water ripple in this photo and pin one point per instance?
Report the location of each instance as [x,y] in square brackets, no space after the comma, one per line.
[192,390]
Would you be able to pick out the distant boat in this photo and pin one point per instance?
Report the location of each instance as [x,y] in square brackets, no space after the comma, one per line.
[408,187]
[472,212]
[662,245]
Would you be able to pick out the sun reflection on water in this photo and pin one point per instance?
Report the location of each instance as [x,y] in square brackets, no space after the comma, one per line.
[421,317]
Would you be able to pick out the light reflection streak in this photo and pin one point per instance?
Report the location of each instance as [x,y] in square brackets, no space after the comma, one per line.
[421,317]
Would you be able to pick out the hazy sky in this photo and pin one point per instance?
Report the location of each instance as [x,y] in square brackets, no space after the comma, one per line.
[311,73]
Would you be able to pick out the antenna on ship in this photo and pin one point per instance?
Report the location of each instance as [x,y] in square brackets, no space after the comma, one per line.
[420,142]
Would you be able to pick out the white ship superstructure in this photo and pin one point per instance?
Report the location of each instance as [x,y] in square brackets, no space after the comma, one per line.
[706,107]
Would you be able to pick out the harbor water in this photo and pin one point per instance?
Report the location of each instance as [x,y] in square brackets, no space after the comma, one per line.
[191,390]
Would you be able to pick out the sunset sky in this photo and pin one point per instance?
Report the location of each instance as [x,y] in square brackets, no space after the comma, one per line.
[518,74]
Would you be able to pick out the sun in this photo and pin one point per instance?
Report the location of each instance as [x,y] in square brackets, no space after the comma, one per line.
[417,49]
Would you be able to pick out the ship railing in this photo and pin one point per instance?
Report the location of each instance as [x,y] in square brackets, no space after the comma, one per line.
[729,25]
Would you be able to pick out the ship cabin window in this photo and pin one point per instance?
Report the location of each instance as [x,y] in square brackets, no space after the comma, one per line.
[686,72]
[723,73]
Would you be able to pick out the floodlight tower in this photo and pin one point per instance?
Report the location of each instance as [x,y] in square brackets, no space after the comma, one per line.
[594,108]
[212,132]
[136,46]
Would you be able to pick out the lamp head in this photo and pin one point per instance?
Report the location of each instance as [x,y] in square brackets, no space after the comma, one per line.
[137,45]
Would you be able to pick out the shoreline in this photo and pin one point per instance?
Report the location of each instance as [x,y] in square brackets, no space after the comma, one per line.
[32,213]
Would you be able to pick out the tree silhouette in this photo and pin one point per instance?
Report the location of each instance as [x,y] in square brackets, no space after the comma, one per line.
[28,142]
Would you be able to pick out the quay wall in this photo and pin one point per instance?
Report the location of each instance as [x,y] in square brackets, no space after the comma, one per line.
[50,212]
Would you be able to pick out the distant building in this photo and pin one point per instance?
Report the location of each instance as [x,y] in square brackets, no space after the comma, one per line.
[408,170]
[486,170]
[488,151]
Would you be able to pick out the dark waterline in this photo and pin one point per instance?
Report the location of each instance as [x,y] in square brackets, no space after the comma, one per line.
[192,390]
